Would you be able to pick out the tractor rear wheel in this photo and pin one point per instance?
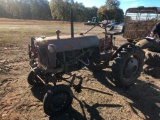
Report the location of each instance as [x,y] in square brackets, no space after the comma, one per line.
[128,65]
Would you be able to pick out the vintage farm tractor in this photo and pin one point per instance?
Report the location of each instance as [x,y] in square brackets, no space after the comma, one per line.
[52,57]
[138,25]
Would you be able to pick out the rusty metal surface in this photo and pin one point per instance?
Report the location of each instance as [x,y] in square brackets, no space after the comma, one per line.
[144,10]
[66,43]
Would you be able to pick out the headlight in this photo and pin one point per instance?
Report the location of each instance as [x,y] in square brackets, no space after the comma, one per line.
[52,48]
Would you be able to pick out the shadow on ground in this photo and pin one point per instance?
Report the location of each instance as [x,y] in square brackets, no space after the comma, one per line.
[71,113]
[145,97]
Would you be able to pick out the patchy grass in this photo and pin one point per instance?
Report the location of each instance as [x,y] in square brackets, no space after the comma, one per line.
[18,31]
[13,30]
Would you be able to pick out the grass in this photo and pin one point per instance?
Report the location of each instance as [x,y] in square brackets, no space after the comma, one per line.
[14,30]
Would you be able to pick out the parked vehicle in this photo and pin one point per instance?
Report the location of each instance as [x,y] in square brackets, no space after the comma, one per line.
[112,24]
[118,27]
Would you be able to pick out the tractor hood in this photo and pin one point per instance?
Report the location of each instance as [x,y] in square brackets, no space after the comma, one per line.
[66,43]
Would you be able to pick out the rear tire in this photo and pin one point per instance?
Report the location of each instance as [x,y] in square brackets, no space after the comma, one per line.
[57,100]
[127,66]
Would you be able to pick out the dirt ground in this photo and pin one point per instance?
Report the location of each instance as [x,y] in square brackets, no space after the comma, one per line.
[98,100]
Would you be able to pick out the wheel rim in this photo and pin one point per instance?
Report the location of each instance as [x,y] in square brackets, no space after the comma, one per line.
[131,68]
[60,101]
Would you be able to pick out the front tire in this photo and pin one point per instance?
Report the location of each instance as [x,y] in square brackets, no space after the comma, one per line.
[128,65]
[33,80]
[57,100]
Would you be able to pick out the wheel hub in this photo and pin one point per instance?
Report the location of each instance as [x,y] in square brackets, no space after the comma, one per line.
[131,67]
[59,101]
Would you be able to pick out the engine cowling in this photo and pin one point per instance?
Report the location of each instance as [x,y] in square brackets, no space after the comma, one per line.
[65,43]
[49,47]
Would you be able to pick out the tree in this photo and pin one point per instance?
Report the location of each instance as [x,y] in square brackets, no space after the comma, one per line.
[24,9]
[112,4]
[111,11]
[60,10]
[40,9]
[2,8]
[45,9]
[110,14]
[57,9]
[119,15]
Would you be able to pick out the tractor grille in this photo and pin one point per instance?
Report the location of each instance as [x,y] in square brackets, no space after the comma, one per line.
[43,58]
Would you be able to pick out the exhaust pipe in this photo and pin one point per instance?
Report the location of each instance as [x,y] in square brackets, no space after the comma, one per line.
[72,27]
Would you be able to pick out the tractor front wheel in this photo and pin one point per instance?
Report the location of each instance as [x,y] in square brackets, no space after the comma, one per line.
[33,80]
[57,100]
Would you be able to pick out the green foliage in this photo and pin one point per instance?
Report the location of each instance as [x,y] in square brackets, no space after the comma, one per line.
[119,15]
[40,9]
[111,11]
[112,4]
[2,8]
[25,9]
[45,10]
[60,10]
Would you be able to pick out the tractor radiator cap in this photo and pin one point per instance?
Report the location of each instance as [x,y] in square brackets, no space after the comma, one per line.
[58,32]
